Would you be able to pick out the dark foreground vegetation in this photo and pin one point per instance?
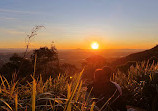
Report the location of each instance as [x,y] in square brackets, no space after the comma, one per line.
[42,83]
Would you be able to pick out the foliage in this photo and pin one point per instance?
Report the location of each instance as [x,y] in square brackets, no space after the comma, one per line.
[14,66]
[47,64]
[47,61]
[54,94]
[140,85]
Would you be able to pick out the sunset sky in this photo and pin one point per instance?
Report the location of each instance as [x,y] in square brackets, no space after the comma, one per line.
[72,24]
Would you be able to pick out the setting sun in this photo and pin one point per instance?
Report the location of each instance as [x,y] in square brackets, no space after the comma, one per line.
[94,45]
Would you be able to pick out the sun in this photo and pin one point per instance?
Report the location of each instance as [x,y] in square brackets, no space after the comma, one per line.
[94,45]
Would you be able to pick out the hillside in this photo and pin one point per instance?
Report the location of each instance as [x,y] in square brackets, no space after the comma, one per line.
[139,56]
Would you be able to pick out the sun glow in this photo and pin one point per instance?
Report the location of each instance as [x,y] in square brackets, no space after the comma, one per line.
[94,45]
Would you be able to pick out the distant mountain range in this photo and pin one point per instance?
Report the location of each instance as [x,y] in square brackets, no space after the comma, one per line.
[139,56]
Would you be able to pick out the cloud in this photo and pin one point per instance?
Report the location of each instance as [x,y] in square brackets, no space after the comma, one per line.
[7,18]
[11,31]
[17,11]
[15,32]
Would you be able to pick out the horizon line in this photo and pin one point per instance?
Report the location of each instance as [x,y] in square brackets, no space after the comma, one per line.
[84,49]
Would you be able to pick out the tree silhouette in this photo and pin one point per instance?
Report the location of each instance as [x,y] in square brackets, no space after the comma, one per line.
[13,66]
[47,62]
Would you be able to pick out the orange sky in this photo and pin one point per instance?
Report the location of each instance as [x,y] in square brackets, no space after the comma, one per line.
[81,45]
[72,24]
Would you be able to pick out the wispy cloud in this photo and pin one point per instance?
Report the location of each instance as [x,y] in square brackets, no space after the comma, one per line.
[11,31]
[15,32]
[7,18]
[17,11]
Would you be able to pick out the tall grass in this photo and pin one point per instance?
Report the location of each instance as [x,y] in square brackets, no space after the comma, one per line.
[69,95]
[16,102]
[53,94]
[139,84]
[34,95]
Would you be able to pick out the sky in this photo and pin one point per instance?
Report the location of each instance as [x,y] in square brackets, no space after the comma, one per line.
[71,24]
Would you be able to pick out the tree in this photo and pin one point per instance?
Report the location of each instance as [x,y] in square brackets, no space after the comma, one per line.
[14,66]
[47,62]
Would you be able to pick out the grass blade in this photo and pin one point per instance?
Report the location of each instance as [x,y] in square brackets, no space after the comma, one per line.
[6,104]
[16,102]
[33,95]
[92,107]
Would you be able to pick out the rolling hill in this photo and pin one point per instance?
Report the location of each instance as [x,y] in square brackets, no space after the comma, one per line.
[139,56]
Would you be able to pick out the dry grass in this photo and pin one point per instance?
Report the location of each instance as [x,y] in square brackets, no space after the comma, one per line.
[60,94]
[139,83]
[53,94]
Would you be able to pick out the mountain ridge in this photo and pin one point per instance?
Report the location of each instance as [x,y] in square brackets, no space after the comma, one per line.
[138,56]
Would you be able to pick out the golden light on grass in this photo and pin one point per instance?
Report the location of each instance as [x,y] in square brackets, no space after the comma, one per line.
[94,45]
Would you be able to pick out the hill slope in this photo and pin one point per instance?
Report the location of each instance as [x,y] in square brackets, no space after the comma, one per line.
[140,56]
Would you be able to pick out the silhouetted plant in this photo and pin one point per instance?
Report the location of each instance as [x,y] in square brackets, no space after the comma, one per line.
[47,62]
[28,41]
